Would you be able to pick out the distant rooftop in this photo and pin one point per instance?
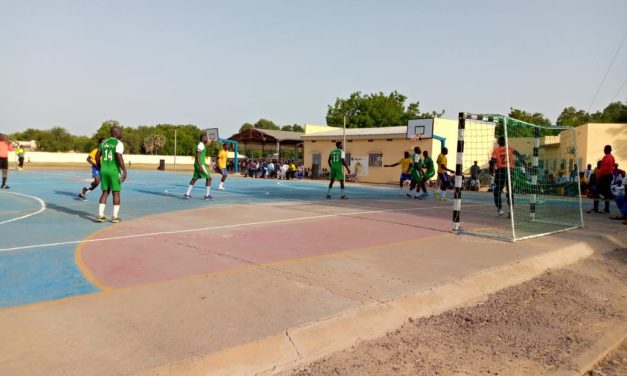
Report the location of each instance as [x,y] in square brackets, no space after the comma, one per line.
[331,133]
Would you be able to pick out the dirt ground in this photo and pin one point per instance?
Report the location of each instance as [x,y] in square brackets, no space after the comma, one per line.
[614,364]
[535,328]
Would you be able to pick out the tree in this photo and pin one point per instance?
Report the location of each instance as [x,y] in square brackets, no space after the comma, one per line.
[293,128]
[153,143]
[246,126]
[536,118]
[105,129]
[615,112]
[373,110]
[572,117]
[266,124]
[56,139]
[533,118]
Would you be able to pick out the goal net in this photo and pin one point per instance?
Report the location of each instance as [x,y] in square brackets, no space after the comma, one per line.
[515,180]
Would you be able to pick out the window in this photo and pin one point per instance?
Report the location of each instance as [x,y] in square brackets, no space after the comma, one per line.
[375,159]
[315,161]
[348,159]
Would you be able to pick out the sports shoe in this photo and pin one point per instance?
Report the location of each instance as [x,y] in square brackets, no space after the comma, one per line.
[208,197]
[5,187]
[328,196]
[500,212]
[101,218]
[344,197]
[443,198]
[424,195]
[115,220]
[436,195]
[187,197]
[418,197]
[81,196]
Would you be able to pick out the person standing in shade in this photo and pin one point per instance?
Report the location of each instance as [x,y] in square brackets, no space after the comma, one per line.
[500,157]
[95,173]
[443,176]
[223,156]
[588,172]
[603,178]
[5,148]
[475,171]
[200,169]
[337,162]
[20,152]
[110,163]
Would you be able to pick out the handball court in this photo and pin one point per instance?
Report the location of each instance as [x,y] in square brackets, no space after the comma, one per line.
[180,279]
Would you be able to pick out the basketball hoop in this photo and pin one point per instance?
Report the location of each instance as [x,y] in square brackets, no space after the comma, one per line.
[416,137]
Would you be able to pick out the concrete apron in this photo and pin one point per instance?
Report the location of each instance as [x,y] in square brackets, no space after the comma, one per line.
[301,345]
[262,318]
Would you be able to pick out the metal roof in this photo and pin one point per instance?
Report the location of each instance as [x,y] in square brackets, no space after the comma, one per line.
[359,133]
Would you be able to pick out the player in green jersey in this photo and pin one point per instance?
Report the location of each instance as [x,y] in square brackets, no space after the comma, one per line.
[200,169]
[337,160]
[416,173]
[428,174]
[110,163]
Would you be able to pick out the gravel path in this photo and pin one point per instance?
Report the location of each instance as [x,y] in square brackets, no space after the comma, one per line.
[535,328]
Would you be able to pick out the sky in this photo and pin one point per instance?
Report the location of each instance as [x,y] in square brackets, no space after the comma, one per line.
[221,64]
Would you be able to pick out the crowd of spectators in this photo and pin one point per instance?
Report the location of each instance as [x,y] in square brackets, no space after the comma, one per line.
[274,169]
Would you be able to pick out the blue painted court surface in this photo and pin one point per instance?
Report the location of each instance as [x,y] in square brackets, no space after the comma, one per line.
[41,211]
[42,220]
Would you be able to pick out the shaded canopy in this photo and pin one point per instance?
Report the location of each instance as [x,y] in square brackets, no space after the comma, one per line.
[262,136]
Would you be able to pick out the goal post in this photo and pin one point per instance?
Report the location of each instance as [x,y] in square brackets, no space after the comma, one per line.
[530,185]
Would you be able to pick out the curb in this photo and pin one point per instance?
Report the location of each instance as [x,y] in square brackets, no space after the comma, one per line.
[597,352]
[304,344]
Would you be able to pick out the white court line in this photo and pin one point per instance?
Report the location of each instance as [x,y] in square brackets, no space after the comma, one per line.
[216,228]
[42,207]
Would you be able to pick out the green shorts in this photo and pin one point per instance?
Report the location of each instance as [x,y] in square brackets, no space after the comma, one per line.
[416,175]
[199,173]
[429,175]
[337,174]
[110,181]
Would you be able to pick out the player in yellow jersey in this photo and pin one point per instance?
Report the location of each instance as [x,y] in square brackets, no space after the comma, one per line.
[443,176]
[223,156]
[405,164]
[95,173]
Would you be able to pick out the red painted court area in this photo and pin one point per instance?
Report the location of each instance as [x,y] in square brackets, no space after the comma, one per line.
[176,245]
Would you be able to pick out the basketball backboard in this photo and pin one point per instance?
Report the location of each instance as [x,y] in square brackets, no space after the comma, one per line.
[422,127]
[212,134]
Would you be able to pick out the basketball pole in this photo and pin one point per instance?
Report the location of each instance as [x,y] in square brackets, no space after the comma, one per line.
[174,149]
[344,146]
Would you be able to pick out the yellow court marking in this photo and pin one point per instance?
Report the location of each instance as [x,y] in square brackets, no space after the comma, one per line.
[83,268]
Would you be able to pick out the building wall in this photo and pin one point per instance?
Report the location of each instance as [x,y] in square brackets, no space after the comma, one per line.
[592,138]
[392,150]
[590,141]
